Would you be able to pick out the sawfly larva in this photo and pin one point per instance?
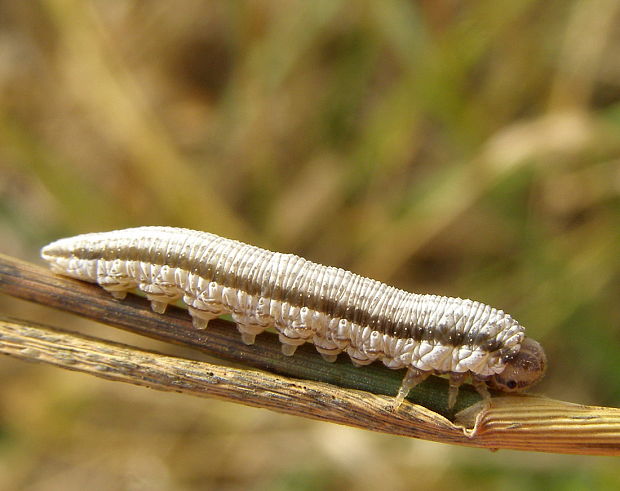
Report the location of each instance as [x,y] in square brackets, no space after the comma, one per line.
[334,309]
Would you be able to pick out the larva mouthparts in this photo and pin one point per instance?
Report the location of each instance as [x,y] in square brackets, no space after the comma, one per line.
[334,309]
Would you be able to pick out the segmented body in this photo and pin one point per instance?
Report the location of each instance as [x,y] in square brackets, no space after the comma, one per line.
[334,309]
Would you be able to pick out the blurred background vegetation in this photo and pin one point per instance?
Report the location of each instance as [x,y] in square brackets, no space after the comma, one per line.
[462,148]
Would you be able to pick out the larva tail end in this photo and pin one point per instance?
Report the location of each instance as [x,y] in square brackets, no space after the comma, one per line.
[54,250]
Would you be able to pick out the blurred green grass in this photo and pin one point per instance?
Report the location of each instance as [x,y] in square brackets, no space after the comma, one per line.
[463,149]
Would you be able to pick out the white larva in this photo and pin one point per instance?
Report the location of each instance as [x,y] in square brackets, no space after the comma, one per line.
[334,309]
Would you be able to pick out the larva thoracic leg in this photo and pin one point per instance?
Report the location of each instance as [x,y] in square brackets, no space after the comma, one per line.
[412,378]
[456,379]
[334,309]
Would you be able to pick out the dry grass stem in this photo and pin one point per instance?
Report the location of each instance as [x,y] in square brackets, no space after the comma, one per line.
[524,423]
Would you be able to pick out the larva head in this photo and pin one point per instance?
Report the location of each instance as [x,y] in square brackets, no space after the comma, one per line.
[525,369]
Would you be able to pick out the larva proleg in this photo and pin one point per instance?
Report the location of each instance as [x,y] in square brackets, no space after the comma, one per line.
[334,309]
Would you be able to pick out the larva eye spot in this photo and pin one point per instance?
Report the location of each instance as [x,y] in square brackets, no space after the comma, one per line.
[524,370]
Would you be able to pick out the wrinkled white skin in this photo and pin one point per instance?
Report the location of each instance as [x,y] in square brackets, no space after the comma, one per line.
[296,325]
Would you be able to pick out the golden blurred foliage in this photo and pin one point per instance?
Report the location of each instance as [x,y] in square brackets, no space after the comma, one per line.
[462,148]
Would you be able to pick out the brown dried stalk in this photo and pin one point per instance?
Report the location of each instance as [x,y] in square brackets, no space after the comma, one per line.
[518,422]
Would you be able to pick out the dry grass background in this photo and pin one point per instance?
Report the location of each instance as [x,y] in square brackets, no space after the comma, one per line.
[468,149]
